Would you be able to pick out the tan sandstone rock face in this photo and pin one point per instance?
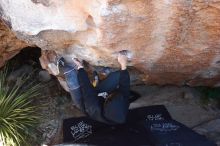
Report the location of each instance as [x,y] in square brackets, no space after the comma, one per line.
[171,41]
[10,45]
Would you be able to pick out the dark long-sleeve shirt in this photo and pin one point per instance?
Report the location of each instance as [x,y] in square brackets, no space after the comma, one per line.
[114,111]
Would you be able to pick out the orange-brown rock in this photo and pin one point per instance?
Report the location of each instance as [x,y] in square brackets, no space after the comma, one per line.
[171,41]
[10,45]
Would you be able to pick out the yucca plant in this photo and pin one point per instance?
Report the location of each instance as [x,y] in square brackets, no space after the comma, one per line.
[17,113]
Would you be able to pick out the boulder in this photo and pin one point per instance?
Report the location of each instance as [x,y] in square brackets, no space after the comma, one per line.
[44,76]
[211,129]
[10,45]
[170,41]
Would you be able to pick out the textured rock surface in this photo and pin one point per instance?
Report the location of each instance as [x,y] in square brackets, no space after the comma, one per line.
[10,45]
[183,103]
[172,41]
[211,129]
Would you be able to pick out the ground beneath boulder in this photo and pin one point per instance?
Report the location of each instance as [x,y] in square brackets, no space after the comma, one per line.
[183,103]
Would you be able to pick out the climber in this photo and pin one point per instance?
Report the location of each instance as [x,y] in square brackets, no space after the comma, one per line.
[108,101]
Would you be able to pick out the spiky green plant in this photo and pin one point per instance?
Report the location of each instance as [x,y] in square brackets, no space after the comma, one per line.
[17,112]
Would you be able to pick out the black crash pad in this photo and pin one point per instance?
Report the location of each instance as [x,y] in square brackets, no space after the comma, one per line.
[173,133]
[146,126]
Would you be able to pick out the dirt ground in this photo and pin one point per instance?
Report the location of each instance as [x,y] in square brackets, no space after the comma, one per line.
[183,103]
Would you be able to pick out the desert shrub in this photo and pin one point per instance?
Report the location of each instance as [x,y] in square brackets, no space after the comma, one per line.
[18,114]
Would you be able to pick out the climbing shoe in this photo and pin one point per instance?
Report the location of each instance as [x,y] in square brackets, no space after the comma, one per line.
[95,79]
